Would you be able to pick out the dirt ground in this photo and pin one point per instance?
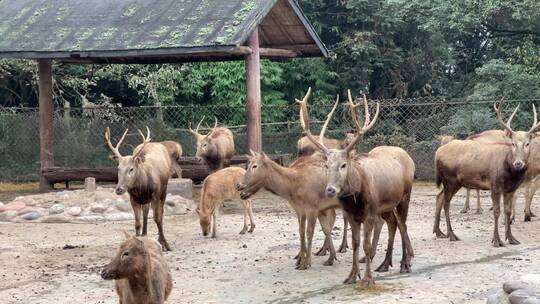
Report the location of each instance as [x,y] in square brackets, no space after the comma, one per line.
[37,267]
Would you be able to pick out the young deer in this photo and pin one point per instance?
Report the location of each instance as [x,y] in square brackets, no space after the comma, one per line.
[218,187]
[499,166]
[141,272]
[144,175]
[370,187]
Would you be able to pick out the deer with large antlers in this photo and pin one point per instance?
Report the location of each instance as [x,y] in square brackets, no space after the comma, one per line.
[499,166]
[144,175]
[370,187]
[216,148]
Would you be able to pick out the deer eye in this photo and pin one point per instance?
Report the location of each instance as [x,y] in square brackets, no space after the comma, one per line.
[254,167]
[343,166]
[125,254]
[130,170]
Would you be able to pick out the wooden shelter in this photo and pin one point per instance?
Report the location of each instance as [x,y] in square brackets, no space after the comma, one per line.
[149,32]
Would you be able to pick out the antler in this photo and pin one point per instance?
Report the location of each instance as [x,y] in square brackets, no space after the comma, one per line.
[146,139]
[304,121]
[535,123]
[368,123]
[114,149]
[328,118]
[196,132]
[507,124]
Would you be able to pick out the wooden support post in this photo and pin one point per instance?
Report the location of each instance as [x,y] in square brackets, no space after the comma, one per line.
[46,127]
[253,91]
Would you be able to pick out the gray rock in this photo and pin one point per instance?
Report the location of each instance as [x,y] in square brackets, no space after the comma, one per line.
[531,279]
[57,208]
[90,218]
[119,216]
[511,286]
[74,211]
[170,203]
[532,300]
[6,216]
[57,219]
[122,205]
[180,186]
[518,296]
[90,184]
[1,204]
[498,298]
[30,216]
[97,208]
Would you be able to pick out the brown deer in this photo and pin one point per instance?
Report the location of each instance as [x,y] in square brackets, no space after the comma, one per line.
[218,187]
[216,148]
[499,166]
[444,139]
[144,175]
[300,184]
[175,152]
[141,273]
[370,187]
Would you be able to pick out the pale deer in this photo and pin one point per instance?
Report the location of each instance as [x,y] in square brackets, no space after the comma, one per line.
[499,166]
[216,148]
[144,175]
[370,187]
[217,188]
[140,271]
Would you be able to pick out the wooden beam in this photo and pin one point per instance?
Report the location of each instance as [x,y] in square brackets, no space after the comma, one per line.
[253,91]
[46,126]
[277,53]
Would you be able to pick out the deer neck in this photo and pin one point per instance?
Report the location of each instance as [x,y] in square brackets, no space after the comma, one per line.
[355,178]
[141,283]
[280,180]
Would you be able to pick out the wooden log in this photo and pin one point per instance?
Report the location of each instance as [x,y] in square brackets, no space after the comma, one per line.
[253,91]
[46,126]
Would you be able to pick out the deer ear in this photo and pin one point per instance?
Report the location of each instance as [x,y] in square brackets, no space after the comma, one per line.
[264,155]
[507,133]
[126,234]
[114,158]
[139,159]
[253,153]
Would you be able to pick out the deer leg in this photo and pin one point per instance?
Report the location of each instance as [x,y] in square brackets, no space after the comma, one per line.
[496,198]
[368,281]
[400,214]
[448,194]
[355,231]
[145,210]
[326,217]
[392,226]
[302,254]
[214,224]
[137,214]
[245,228]
[466,207]
[299,217]
[311,221]
[343,247]
[508,198]
[530,190]
[377,228]
[478,205]
[250,213]
[439,205]
[157,208]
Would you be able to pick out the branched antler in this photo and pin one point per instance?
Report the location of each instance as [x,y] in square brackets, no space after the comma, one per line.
[114,149]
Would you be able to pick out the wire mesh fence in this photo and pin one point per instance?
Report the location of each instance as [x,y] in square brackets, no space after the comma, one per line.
[79,132]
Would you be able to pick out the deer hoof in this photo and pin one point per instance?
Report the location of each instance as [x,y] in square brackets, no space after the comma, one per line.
[329,262]
[405,267]
[512,240]
[362,260]
[251,229]
[383,267]
[464,210]
[527,217]
[439,234]
[351,279]
[368,282]
[303,265]
[497,242]
[479,211]
[343,248]
[452,237]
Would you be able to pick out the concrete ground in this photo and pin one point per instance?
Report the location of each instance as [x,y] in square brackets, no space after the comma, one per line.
[38,267]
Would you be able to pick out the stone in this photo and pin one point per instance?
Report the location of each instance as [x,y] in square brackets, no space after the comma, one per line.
[90,184]
[518,296]
[532,300]
[119,216]
[498,298]
[532,279]
[6,216]
[30,216]
[13,206]
[57,219]
[511,286]
[180,186]
[90,218]
[170,203]
[122,205]
[74,211]
[1,204]
[97,208]
[57,208]
[25,210]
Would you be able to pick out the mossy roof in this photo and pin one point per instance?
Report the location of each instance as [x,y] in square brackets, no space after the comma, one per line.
[112,28]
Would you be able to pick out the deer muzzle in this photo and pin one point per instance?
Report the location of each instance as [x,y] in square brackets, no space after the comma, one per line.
[331,191]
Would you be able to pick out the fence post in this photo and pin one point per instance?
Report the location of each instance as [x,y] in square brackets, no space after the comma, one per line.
[67,114]
[159,113]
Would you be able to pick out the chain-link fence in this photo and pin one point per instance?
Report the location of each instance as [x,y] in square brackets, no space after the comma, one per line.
[79,132]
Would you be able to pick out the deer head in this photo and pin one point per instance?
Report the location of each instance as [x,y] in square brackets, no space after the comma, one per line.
[128,166]
[205,145]
[255,176]
[130,260]
[338,161]
[520,139]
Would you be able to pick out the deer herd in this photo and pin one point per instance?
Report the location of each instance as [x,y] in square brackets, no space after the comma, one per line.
[370,188]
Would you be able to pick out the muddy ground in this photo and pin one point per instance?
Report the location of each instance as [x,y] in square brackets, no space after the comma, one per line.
[36,266]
